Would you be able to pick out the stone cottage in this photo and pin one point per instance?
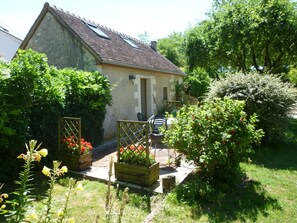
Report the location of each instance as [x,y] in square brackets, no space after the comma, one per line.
[142,78]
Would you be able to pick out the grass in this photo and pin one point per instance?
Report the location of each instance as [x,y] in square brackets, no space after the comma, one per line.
[267,195]
[86,205]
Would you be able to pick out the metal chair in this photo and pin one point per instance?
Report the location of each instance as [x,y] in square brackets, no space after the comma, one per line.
[140,116]
[156,136]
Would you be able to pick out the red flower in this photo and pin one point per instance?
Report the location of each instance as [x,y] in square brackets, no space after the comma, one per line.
[132,147]
[72,145]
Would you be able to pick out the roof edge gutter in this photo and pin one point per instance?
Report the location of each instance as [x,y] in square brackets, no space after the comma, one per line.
[118,63]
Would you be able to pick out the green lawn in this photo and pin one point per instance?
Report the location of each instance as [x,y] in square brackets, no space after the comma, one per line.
[268,194]
[86,205]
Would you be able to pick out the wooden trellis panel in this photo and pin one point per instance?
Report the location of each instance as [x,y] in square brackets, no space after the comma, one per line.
[133,134]
[70,127]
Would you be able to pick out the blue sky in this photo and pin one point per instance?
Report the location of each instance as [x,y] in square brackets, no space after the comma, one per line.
[158,18]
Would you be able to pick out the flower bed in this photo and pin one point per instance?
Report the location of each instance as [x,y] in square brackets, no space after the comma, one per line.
[135,155]
[71,146]
[76,157]
[135,167]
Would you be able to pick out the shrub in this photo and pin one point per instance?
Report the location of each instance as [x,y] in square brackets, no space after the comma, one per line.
[265,95]
[216,136]
[292,76]
[86,96]
[34,96]
[197,83]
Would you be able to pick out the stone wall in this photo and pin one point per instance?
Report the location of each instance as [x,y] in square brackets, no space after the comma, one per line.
[126,94]
[61,48]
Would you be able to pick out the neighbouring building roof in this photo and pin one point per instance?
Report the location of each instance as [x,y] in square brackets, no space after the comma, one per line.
[8,44]
[109,46]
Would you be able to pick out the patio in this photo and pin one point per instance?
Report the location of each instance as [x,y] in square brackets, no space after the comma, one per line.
[102,155]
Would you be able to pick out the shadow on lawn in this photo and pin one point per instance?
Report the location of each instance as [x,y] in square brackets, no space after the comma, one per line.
[243,203]
[283,155]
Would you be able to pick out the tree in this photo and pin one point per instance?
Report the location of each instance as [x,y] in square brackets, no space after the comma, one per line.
[144,37]
[245,35]
[197,82]
[172,47]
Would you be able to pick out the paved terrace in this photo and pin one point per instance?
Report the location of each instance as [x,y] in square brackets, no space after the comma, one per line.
[103,154]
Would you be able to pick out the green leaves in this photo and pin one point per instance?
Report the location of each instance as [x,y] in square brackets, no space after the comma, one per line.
[245,35]
[216,136]
[265,95]
[34,96]
[172,47]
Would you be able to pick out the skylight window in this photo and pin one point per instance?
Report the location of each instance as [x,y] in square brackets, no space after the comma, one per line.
[130,42]
[97,30]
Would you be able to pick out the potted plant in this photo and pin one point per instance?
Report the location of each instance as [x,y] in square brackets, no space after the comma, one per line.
[75,154]
[136,165]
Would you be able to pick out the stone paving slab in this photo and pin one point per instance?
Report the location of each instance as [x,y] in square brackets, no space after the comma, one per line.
[101,159]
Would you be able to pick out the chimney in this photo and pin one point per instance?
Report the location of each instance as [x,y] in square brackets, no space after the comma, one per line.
[154,45]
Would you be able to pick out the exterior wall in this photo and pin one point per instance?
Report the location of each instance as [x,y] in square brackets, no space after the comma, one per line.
[61,48]
[126,94]
[8,45]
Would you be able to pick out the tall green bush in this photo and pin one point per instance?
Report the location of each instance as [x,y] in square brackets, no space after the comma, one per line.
[265,95]
[13,118]
[34,96]
[217,136]
[197,82]
[86,96]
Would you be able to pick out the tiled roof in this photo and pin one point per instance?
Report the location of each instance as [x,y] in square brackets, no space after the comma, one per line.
[113,50]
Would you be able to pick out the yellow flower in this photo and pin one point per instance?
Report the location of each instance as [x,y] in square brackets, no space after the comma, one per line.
[3,206]
[60,212]
[5,195]
[32,216]
[64,169]
[43,152]
[37,157]
[71,220]
[79,187]
[22,156]
[46,171]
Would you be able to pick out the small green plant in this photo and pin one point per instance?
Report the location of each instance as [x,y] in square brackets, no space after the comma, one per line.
[135,155]
[23,193]
[2,200]
[21,206]
[53,174]
[216,136]
[110,200]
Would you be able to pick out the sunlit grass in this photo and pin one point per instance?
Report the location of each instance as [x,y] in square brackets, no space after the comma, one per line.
[87,205]
[267,195]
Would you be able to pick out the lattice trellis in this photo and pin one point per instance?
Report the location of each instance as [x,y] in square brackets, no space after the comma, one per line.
[133,134]
[70,127]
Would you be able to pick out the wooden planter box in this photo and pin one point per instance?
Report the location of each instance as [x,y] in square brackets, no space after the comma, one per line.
[141,175]
[75,162]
